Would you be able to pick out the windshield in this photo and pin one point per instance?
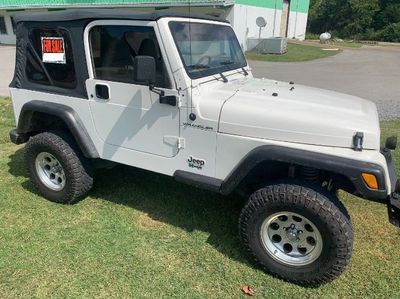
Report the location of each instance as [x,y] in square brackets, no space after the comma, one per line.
[207,49]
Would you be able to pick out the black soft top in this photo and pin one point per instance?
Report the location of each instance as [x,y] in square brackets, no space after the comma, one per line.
[82,14]
[74,22]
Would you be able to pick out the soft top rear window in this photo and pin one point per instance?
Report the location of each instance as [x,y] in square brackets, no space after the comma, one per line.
[50,58]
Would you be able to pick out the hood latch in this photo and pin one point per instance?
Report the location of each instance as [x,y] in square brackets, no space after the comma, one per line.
[358,141]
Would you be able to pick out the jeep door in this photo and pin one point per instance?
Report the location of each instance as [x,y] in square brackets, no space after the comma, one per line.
[127,113]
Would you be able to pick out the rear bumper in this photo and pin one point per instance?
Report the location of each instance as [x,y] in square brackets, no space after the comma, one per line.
[17,138]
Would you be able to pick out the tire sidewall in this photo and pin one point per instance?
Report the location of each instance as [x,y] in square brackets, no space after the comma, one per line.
[254,230]
[31,154]
[320,208]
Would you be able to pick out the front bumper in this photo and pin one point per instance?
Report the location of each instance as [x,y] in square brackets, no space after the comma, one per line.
[387,192]
[394,209]
[393,201]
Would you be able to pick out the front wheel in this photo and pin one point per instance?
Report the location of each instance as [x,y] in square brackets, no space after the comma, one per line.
[299,233]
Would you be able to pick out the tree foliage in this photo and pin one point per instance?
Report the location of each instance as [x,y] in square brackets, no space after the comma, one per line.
[359,19]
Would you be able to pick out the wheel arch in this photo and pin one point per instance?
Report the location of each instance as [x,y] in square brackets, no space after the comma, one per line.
[31,121]
[347,170]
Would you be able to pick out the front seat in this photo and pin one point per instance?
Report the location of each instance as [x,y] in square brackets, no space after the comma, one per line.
[148,48]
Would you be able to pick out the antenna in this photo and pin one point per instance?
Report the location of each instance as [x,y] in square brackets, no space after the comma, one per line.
[261,23]
[191,57]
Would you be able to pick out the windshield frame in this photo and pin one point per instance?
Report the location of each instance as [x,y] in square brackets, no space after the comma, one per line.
[211,71]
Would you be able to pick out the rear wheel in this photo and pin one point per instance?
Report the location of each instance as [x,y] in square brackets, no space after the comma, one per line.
[300,233]
[57,167]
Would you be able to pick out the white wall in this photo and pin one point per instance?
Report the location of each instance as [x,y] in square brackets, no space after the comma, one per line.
[243,19]
[297,25]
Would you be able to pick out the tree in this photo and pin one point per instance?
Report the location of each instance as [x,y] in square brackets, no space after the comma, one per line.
[368,19]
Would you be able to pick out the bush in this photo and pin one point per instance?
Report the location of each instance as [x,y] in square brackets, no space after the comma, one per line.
[312,36]
[391,33]
[356,19]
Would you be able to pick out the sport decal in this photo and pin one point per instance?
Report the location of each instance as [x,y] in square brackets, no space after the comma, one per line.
[200,127]
[53,50]
[196,163]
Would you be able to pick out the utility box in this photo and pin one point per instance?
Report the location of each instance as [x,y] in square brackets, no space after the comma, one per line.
[273,45]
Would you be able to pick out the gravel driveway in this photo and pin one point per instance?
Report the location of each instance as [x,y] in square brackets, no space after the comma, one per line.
[371,72]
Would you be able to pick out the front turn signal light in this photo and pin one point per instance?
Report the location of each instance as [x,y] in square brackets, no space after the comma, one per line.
[370,180]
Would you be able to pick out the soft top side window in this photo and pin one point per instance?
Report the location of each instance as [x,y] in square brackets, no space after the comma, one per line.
[114,48]
[43,65]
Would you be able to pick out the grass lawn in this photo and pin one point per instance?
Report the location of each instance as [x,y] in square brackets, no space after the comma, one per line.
[144,235]
[295,53]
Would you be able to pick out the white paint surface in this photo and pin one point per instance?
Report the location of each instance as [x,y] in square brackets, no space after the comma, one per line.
[297,25]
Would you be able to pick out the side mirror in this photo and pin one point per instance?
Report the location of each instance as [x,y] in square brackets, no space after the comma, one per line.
[144,70]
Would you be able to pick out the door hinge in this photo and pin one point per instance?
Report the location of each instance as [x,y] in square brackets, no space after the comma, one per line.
[181,143]
[178,142]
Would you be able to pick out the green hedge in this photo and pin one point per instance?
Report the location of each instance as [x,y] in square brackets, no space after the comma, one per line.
[356,19]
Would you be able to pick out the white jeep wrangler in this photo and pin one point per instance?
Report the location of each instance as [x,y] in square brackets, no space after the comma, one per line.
[173,93]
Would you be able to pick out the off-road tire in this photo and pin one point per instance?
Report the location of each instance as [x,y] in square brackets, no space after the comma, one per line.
[319,206]
[78,169]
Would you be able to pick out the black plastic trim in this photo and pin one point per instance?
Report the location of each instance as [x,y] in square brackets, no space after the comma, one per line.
[17,138]
[391,168]
[394,215]
[122,14]
[198,180]
[349,168]
[67,115]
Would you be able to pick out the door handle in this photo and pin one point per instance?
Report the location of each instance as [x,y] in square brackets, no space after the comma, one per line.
[102,92]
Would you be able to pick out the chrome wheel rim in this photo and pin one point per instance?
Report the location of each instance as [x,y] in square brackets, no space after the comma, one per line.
[50,171]
[291,239]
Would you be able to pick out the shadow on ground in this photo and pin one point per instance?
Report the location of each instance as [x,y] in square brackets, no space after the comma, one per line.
[165,200]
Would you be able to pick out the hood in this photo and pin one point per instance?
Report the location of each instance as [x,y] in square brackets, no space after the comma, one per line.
[293,113]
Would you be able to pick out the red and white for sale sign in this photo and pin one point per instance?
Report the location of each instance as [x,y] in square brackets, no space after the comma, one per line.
[53,50]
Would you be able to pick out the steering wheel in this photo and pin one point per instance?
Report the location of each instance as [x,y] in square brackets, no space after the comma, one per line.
[204,58]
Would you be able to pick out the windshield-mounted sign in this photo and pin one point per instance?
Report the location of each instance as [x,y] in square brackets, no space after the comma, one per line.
[53,50]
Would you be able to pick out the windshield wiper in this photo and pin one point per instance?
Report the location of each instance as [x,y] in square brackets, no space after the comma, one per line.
[198,66]
[223,77]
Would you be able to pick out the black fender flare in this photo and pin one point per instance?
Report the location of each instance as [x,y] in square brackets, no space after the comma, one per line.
[351,169]
[67,115]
